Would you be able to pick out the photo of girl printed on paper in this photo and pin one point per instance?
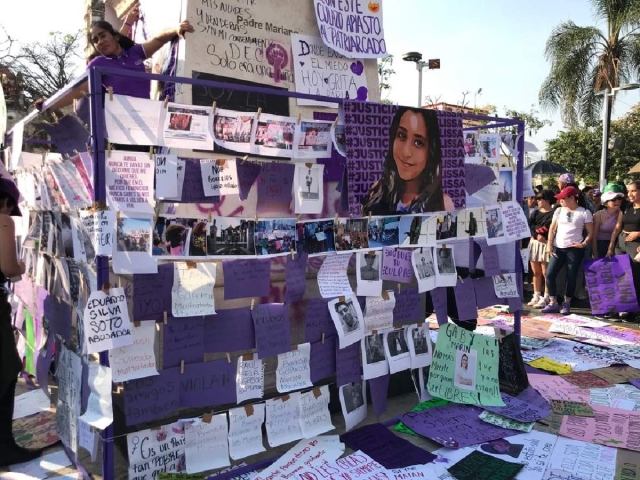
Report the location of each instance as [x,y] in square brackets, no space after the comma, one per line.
[465,370]
[411,177]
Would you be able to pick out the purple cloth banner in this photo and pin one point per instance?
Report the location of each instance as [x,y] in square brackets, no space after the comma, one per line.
[229,331]
[396,265]
[485,292]
[151,398]
[183,339]
[318,321]
[385,447]
[610,285]
[246,278]
[208,384]
[323,359]
[436,423]
[370,139]
[152,293]
[273,331]
[68,134]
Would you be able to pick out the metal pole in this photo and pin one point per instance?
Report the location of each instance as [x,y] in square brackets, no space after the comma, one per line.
[517,316]
[419,66]
[606,120]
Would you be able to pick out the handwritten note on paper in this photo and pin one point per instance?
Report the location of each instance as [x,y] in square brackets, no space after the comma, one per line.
[465,368]
[152,398]
[87,439]
[249,379]
[137,360]
[577,409]
[99,411]
[153,451]
[506,285]
[129,182]
[192,292]
[396,265]
[230,330]
[182,341]
[578,459]
[206,445]
[246,278]
[166,174]
[480,465]
[504,422]
[294,371]
[332,276]
[69,375]
[544,363]
[101,229]
[315,418]
[515,221]
[318,321]
[245,430]
[610,426]
[378,314]
[272,327]
[282,422]
[106,321]
[295,278]
[219,177]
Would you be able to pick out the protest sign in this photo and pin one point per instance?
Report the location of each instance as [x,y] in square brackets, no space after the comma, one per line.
[351,28]
[528,406]
[246,278]
[219,177]
[295,278]
[272,327]
[576,459]
[586,380]
[245,430]
[504,422]
[153,397]
[511,373]
[315,418]
[99,411]
[348,364]
[69,375]
[396,265]
[318,321]
[506,285]
[182,341]
[294,372]
[153,451]
[515,222]
[137,360]
[250,378]
[129,182]
[192,292]
[166,174]
[610,285]
[378,313]
[101,229]
[282,423]
[465,367]
[206,443]
[550,365]
[610,427]
[208,384]
[332,276]
[323,359]
[479,465]
[106,321]
[577,409]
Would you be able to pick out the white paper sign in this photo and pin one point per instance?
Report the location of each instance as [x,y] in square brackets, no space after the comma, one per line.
[101,228]
[315,417]
[420,347]
[133,121]
[87,439]
[397,350]
[378,313]
[583,460]
[206,444]
[166,174]
[106,321]
[424,268]
[137,360]
[332,276]
[294,371]
[368,268]
[308,187]
[192,292]
[157,450]
[219,177]
[249,379]
[69,374]
[35,401]
[353,400]
[282,420]
[505,285]
[374,356]
[129,182]
[99,412]
[320,70]
[446,275]
[245,431]
[180,172]
[353,29]
[515,222]
[347,318]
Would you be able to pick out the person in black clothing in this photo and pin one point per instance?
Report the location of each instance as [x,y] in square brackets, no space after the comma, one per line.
[539,223]
[10,363]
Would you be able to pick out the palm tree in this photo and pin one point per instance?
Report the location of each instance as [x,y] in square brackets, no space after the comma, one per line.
[586,60]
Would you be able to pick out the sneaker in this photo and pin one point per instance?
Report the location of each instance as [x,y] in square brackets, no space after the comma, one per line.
[566,308]
[534,300]
[543,302]
[551,308]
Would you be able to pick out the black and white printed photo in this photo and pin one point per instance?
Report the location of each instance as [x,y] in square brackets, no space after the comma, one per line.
[66,234]
[353,398]
[309,188]
[446,265]
[348,315]
[134,234]
[311,185]
[447,226]
[419,345]
[315,237]
[396,343]
[231,236]
[370,269]
[374,348]
[45,233]
[420,341]
[470,223]
[424,266]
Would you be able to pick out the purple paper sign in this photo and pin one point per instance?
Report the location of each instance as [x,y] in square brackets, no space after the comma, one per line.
[626,334]
[610,285]
[465,295]
[396,265]
[154,397]
[408,308]
[67,134]
[248,172]
[477,176]
[385,447]
[152,293]
[528,406]
[318,321]
[334,166]
[192,188]
[295,278]
[183,340]
[58,313]
[367,127]
[439,297]
[491,260]
[454,425]
[323,359]
[275,185]
[348,364]
[43,363]
[246,278]
[229,331]
[273,332]
[379,388]
[485,292]
[208,384]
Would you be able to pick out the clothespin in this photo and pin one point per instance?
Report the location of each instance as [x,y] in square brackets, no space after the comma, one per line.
[298,119]
[253,303]
[206,418]
[136,323]
[44,157]
[248,409]
[110,90]
[341,299]
[293,254]
[385,295]
[228,357]
[247,357]
[55,117]
[89,149]
[335,122]
[67,156]
[165,317]
[108,149]
[374,332]
[336,221]
[309,165]
[166,101]
[191,264]
[317,392]
[244,159]
[181,367]
[220,162]
[285,398]
[322,338]
[294,348]
[256,219]
[209,218]
[419,325]
[76,152]
[105,287]
[258,113]
[213,107]
[151,153]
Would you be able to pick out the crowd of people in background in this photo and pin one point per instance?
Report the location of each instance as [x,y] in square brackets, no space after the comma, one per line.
[570,225]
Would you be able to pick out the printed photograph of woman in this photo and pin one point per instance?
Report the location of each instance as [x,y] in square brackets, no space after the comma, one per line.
[411,177]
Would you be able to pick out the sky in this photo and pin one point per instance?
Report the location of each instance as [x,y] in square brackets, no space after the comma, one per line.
[496,45]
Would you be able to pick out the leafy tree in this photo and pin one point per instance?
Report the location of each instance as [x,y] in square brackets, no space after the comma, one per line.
[385,72]
[586,60]
[533,122]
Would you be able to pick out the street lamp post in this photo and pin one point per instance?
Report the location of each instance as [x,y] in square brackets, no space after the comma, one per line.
[607,102]
[416,57]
